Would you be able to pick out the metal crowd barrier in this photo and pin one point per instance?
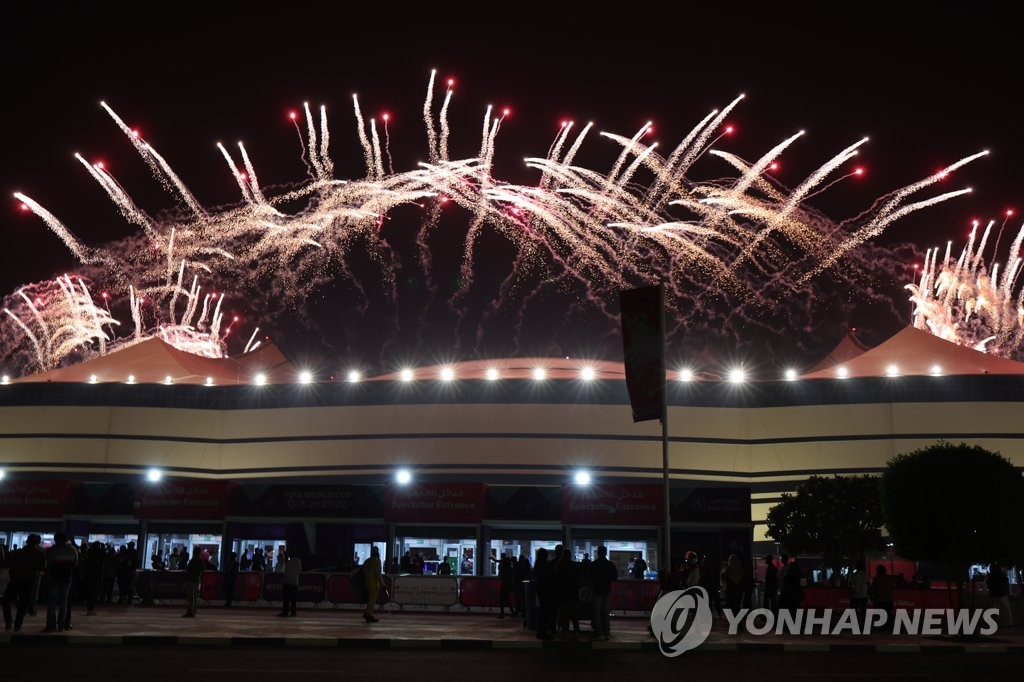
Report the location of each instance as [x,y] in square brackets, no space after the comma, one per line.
[402,590]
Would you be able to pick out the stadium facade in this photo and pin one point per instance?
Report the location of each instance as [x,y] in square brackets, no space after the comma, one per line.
[256,454]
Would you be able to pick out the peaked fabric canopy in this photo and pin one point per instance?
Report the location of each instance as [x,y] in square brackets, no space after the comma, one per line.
[848,348]
[916,352]
[153,361]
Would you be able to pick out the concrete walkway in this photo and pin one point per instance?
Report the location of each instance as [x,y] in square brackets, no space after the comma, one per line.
[328,627]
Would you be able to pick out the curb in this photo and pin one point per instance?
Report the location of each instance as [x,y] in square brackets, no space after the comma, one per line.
[18,639]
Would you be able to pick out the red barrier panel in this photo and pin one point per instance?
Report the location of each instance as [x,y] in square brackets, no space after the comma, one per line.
[161,585]
[634,595]
[340,590]
[312,587]
[425,590]
[923,599]
[835,598]
[838,598]
[893,567]
[482,592]
[248,587]
[211,586]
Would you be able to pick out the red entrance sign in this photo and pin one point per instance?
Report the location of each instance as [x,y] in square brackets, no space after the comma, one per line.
[182,500]
[435,503]
[613,505]
[34,499]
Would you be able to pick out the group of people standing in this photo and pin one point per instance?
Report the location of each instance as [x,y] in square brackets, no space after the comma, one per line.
[561,582]
[783,588]
[73,572]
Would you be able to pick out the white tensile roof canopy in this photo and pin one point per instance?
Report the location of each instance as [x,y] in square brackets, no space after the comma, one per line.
[912,352]
[153,361]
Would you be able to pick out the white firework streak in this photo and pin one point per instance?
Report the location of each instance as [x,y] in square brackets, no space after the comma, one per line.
[377,156]
[81,252]
[875,228]
[65,319]
[120,198]
[243,188]
[960,300]
[325,141]
[445,131]
[595,228]
[571,154]
[627,150]
[157,163]
[819,175]
[249,346]
[314,151]
[695,147]
[254,183]
[556,149]
[363,140]
[428,119]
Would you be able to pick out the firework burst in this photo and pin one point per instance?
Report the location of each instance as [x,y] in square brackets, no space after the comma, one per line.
[970,302]
[580,230]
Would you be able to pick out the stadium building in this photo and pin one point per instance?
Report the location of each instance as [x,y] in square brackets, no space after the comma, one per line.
[463,463]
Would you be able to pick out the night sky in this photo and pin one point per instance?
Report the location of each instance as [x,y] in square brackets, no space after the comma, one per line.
[929,87]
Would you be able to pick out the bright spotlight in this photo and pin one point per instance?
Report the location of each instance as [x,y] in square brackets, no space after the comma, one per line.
[790,375]
[354,376]
[305,377]
[403,477]
[686,375]
[587,374]
[492,374]
[93,379]
[209,381]
[154,475]
[406,375]
[447,374]
[737,376]
[892,371]
[260,379]
[539,374]
[168,380]
[936,370]
[842,372]
[5,380]
[582,478]
[131,379]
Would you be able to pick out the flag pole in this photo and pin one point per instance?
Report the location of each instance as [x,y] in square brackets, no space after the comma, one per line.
[667,533]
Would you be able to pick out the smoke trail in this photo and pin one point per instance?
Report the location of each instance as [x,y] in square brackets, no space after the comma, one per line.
[363,140]
[81,252]
[325,142]
[387,146]
[428,119]
[444,124]
[246,194]
[120,198]
[377,156]
[314,153]
[571,154]
[254,183]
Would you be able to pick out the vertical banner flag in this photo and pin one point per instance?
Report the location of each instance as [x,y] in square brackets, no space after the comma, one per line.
[643,349]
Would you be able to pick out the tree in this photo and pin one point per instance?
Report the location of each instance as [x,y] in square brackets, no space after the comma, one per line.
[838,518]
[955,505]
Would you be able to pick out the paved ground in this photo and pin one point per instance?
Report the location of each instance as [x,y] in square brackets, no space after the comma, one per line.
[86,663]
[327,627]
[231,664]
